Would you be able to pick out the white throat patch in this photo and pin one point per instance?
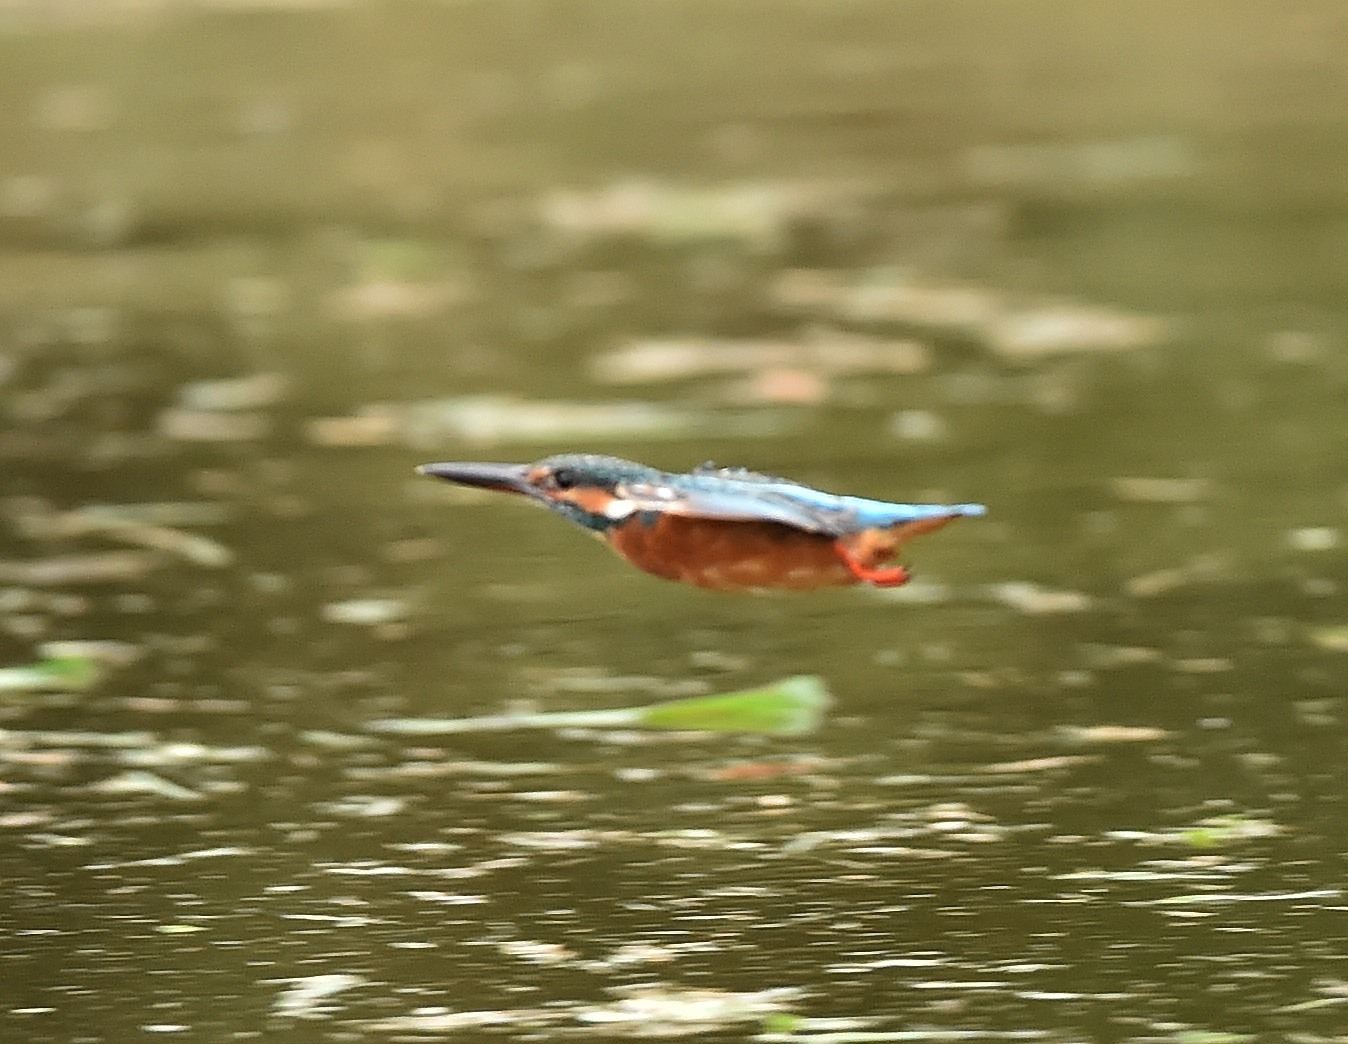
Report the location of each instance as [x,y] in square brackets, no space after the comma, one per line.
[617,508]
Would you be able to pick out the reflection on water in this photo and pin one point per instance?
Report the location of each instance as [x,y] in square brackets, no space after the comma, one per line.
[1082,779]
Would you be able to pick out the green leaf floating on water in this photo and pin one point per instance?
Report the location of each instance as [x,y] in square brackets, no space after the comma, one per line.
[789,707]
[65,673]
[72,672]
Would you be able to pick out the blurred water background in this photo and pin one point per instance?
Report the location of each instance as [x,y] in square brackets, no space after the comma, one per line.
[1084,262]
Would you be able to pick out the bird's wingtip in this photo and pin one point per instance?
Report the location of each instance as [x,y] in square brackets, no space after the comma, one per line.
[972,510]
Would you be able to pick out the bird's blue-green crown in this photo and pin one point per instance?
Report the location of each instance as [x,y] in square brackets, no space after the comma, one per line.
[596,470]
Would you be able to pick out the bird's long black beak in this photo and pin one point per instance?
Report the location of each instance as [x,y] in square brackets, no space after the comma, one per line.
[508,478]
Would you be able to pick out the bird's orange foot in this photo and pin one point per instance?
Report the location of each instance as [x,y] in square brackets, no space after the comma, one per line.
[888,576]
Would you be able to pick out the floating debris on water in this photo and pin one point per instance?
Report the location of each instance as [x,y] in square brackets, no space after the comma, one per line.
[137,781]
[440,1020]
[234,394]
[363,806]
[181,753]
[224,410]
[562,840]
[1331,638]
[1212,832]
[666,1010]
[1202,569]
[175,513]
[1044,764]
[1111,733]
[333,740]
[1203,898]
[1220,830]
[1017,331]
[789,707]
[372,426]
[1034,600]
[1030,334]
[367,612]
[1297,347]
[1202,665]
[449,898]
[304,998]
[375,299]
[63,668]
[945,821]
[1162,490]
[1159,582]
[99,567]
[185,425]
[642,953]
[533,951]
[191,547]
[74,738]
[1334,994]
[822,352]
[1315,539]
[919,426]
[757,215]
[438,769]
[36,520]
[179,929]
[178,859]
[495,419]
[896,296]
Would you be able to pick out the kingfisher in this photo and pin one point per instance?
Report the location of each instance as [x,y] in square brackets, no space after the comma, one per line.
[726,529]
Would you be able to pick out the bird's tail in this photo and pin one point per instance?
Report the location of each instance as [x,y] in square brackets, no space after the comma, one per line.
[931,518]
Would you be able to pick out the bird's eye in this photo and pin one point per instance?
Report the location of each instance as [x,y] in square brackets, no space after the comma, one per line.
[564,478]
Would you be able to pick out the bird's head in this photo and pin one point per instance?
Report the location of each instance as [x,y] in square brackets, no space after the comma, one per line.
[584,487]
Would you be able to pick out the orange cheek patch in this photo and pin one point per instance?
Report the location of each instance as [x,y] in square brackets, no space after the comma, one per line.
[591,501]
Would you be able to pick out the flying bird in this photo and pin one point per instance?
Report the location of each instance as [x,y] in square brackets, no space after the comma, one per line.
[727,529]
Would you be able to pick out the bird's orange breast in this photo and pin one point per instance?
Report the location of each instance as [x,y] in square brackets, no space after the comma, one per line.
[731,555]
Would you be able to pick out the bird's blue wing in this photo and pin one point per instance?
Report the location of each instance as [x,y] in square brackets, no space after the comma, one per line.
[724,502]
[880,514]
[749,497]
